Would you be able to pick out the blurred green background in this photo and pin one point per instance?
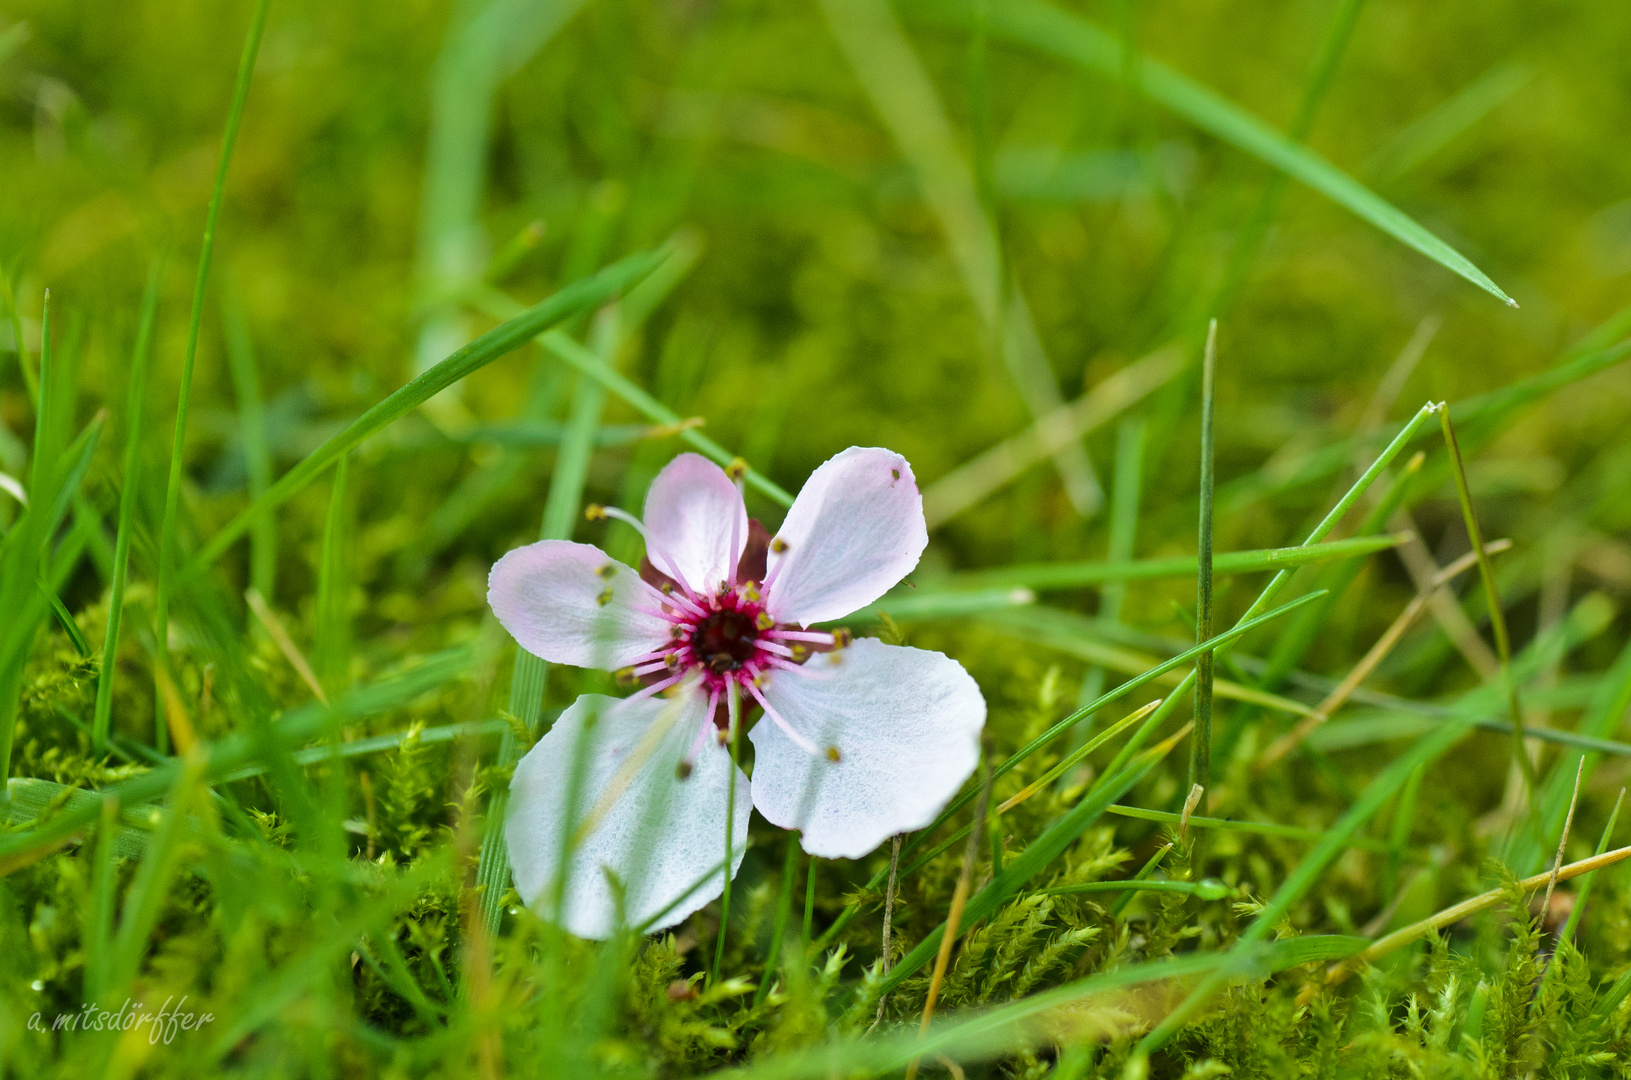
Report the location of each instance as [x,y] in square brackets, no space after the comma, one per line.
[825,309]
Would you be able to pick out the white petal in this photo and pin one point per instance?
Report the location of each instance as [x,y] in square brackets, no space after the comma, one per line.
[906,724]
[659,834]
[854,531]
[574,604]
[695,518]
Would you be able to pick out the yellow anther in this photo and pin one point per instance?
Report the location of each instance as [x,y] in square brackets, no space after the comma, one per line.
[625,676]
[604,598]
[750,593]
[594,512]
[605,572]
[666,587]
[672,660]
[683,770]
[800,650]
[842,638]
[676,631]
[764,621]
[737,469]
[778,545]
[833,755]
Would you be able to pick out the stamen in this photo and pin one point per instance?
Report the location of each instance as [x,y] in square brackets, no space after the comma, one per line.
[660,665]
[777,719]
[817,636]
[657,554]
[656,654]
[773,647]
[656,688]
[688,761]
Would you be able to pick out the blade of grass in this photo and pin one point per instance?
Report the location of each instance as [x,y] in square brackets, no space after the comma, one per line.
[1200,747]
[99,912]
[1497,615]
[1124,500]
[141,361]
[501,340]
[172,489]
[1049,30]
[1439,126]
[22,553]
[332,641]
[242,365]
[1113,573]
[1584,892]
[784,910]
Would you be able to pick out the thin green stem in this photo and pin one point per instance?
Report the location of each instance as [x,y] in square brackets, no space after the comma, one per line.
[1200,747]
[1497,616]
[784,910]
[140,364]
[172,489]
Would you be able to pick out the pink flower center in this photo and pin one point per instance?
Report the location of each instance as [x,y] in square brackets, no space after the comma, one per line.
[724,641]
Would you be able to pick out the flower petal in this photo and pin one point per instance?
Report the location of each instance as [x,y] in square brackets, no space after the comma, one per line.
[854,531]
[695,518]
[657,833]
[574,604]
[906,724]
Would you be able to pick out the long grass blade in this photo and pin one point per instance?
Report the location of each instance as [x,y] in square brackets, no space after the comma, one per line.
[172,489]
[1055,32]
[141,361]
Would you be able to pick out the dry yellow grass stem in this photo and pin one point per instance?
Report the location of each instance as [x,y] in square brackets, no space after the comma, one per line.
[1378,652]
[954,917]
[297,660]
[1382,946]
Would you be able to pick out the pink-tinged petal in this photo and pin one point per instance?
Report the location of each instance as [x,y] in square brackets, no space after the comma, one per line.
[658,834]
[854,531]
[906,724]
[695,518]
[574,604]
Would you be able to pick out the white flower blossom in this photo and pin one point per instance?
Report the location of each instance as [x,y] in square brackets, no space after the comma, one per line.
[858,740]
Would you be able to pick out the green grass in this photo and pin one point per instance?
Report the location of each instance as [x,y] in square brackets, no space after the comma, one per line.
[467,268]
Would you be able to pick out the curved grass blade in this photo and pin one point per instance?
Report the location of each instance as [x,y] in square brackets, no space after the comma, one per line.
[1055,32]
